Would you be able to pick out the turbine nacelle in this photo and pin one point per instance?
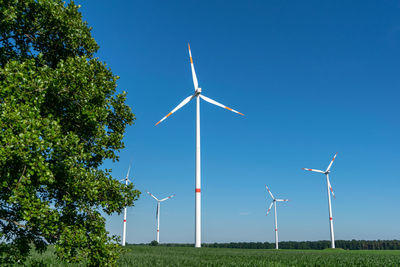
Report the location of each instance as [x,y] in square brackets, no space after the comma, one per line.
[327,172]
[198,91]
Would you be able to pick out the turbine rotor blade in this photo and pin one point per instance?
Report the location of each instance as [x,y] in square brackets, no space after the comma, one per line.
[330,188]
[269,209]
[167,198]
[282,200]
[209,100]
[330,165]
[269,192]
[152,195]
[157,212]
[313,170]
[196,84]
[184,102]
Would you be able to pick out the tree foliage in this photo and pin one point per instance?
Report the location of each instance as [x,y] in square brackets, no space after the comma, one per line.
[153,243]
[60,118]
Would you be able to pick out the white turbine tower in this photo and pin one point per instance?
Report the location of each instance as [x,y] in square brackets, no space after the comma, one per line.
[329,187]
[274,200]
[197,94]
[124,225]
[158,213]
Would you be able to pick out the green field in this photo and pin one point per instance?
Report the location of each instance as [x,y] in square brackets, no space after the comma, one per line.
[187,256]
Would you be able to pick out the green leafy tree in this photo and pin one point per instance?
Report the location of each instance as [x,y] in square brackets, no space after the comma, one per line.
[153,243]
[60,118]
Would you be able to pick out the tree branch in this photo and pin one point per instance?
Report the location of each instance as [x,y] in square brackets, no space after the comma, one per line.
[16,223]
[20,178]
[18,35]
[29,36]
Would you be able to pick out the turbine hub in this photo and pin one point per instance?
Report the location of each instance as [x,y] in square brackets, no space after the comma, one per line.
[198,90]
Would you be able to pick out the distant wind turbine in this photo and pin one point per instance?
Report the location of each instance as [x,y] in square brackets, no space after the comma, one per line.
[329,187]
[197,94]
[274,200]
[158,213]
[124,225]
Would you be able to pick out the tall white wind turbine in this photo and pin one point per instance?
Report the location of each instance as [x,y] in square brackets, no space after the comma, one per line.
[274,200]
[124,225]
[197,94]
[158,213]
[329,187]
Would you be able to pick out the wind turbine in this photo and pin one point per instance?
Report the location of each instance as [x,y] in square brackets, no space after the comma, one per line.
[124,227]
[329,187]
[158,213]
[274,200]
[197,94]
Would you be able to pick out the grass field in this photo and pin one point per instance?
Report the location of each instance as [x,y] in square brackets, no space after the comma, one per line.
[186,256]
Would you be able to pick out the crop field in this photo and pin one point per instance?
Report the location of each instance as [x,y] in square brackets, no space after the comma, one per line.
[186,256]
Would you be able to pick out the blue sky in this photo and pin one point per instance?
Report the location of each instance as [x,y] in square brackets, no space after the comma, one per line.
[312,77]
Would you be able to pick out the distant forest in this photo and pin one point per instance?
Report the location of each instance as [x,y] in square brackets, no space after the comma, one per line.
[323,244]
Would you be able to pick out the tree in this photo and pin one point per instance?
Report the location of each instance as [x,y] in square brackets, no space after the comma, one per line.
[153,243]
[60,118]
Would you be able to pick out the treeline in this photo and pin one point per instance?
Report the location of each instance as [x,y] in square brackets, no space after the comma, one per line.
[323,244]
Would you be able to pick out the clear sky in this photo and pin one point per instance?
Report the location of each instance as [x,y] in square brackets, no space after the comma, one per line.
[312,77]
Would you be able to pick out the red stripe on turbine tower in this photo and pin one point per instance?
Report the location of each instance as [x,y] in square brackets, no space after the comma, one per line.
[124,220]
[330,218]
[198,190]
